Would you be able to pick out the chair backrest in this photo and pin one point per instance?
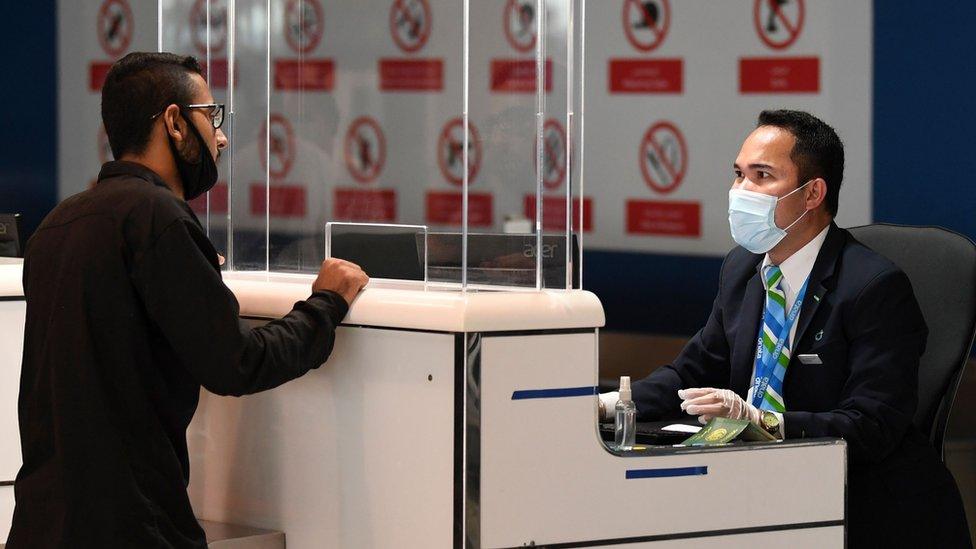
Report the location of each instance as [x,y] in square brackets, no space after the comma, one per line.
[941,265]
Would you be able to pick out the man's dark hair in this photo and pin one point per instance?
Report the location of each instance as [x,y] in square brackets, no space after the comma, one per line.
[139,86]
[817,152]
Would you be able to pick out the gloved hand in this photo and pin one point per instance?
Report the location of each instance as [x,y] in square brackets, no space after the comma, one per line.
[708,403]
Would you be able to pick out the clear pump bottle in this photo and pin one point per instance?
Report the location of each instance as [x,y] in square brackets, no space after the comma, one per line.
[625,418]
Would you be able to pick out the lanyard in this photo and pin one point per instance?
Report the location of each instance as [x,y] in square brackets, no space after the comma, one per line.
[766,367]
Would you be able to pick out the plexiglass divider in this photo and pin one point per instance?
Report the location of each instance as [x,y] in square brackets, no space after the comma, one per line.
[385,251]
[463,116]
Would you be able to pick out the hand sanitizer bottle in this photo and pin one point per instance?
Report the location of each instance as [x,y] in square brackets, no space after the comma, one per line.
[625,418]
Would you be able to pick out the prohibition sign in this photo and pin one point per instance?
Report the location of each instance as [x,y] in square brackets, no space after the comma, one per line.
[553,154]
[410,23]
[779,22]
[115,26]
[365,149]
[218,25]
[282,146]
[304,25]
[646,22]
[519,23]
[663,157]
[450,152]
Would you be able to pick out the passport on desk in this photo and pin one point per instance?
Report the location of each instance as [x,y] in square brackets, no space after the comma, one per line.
[722,430]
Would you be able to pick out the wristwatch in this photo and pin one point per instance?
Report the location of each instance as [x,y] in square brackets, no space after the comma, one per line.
[769,422]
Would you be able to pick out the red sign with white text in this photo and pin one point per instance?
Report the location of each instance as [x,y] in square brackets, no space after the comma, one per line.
[365,205]
[411,74]
[286,200]
[444,208]
[97,71]
[779,75]
[646,76]
[554,212]
[304,74]
[649,217]
[517,75]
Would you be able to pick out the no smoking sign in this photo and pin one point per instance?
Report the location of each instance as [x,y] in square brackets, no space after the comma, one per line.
[520,24]
[304,25]
[450,152]
[365,149]
[553,155]
[779,22]
[218,25]
[115,27]
[663,157]
[646,23]
[281,147]
[410,24]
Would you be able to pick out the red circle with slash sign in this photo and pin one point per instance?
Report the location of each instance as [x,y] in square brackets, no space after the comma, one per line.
[450,152]
[663,157]
[304,25]
[365,149]
[410,24]
[218,26]
[779,22]
[115,26]
[282,147]
[553,154]
[522,37]
[646,22]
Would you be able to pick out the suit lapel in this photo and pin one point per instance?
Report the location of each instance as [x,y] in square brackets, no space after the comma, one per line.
[817,287]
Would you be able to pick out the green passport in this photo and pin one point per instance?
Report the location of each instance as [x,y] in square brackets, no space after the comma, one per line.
[722,430]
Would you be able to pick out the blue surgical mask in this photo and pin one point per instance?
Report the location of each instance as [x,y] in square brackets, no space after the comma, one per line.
[752,219]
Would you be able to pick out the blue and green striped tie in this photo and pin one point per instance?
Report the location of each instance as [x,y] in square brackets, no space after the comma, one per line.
[773,321]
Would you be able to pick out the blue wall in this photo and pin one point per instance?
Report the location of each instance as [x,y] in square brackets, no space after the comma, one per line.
[29,103]
[924,162]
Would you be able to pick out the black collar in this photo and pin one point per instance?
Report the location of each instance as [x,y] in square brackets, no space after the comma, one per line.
[119,168]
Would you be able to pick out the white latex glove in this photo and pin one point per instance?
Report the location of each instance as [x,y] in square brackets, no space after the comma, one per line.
[608,401]
[708,403]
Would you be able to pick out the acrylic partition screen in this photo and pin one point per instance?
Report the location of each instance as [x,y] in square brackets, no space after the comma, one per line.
[402,112]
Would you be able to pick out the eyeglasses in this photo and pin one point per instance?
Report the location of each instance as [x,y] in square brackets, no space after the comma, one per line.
[216,113]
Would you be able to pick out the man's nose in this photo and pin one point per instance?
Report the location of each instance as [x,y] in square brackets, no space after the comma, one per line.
[221,140]
[746,185]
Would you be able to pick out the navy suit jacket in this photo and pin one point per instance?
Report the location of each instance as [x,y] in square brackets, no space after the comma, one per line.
[861,317]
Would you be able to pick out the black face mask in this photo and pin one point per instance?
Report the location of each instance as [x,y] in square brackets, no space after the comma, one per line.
[200,176]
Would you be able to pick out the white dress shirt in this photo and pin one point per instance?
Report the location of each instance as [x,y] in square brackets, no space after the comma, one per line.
[796,269]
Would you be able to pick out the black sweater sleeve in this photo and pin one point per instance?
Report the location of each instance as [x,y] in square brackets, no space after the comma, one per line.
[199,317]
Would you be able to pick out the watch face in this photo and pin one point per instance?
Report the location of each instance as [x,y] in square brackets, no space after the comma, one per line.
[770,421]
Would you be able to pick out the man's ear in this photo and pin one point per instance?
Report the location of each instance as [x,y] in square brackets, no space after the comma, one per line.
[174,123]
[817,194]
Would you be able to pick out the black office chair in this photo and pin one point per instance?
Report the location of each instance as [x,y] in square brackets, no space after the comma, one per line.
[941,265]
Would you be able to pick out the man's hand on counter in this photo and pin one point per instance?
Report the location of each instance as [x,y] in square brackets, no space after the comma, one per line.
[342,277]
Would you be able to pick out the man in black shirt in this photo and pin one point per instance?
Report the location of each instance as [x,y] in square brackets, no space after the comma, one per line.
[127,317]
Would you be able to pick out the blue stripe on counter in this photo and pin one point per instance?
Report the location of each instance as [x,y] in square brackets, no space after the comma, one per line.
[555,393]
[672,472]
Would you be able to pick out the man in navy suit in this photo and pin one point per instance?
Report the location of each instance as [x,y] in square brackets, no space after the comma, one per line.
[812,334]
